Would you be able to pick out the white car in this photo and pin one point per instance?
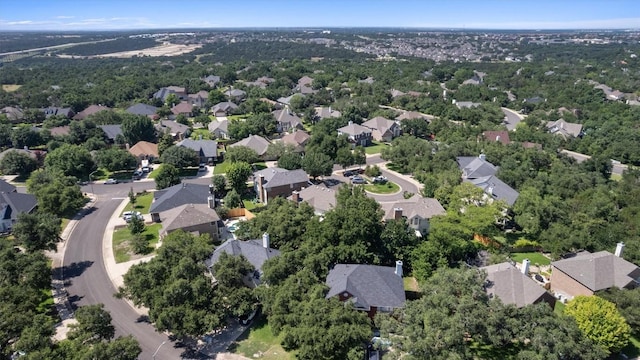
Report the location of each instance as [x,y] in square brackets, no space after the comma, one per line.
[127,215]
[111,181]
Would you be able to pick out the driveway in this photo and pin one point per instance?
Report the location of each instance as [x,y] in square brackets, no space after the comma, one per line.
[511,118]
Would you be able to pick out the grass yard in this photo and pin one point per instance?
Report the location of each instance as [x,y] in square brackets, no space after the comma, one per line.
[143,202]
[260,343]
[197,133]
[534,257]
[104,174]
[10,87]
[120,242]
[375,148]
[186,172]
[559,308]
[222,167]
[388,188]
[65,222]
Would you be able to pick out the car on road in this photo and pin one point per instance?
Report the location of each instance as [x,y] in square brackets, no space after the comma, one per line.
[111,181]
[380,180]
[357,180]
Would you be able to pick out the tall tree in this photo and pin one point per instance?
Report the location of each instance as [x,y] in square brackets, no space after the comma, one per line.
[241,153]
[138,128]
[237,175]
[179,156]
[71,160]
[37,231]
[16,163]
[168,175]
[317,164]
[114,159]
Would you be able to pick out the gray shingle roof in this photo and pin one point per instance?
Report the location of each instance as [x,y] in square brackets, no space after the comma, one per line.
[18,202]
[173,126]
[204,148]
[178,195]
[321,198]
[511,286]
[496,188]
[111,131]
[221,125]
[187,215]
[564,128]
[474,167]
[369,285]
[599,271]
[285,116]
[354,129]
[252,250]
[224,106]
[379,123]
[275,177]
[5,187]
[142,109]
[255,142]
[426,208]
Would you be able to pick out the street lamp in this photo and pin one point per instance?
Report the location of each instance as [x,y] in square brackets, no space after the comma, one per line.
[158,349]
[91,181]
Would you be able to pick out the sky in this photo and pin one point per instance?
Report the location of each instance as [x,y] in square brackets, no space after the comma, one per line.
[74,15]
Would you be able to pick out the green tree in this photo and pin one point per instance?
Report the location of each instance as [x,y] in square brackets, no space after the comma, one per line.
[132,197]
[25,135]
[168,175]
[317,164]
[114,159]
[628,303]
[179,156]
[219,183]
[136,225]
[57,194]
[37,231]
[237,175]
[71,160]
[138,128]
[232,200]
[139,242]
[172,100]
[166,141]
[94,324]
[16,163]
[344,157]
[600,321]
[241,154]
[397,241]
[290,161]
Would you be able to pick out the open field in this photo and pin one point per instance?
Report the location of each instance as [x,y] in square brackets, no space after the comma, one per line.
[10,87]
[160,50]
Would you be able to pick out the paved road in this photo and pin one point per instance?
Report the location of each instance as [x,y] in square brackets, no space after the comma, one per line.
[86,277]
[616,167]
[512,118]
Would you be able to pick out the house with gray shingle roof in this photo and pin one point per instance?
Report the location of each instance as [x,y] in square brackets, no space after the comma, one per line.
[305,86]
[224,108]
[383,129]
[178,131]
[92,109]
[14,114]
[255,251]
[58,111]
[178,195]
[211,80]
[585,273]
[466,104]
[207,150]
[5,187]
[565,129]
[163,93]
[406,115]
[192,218]
[481,173]
[111,131]
[357,135]
[220,128]
[271,182]
[235,95]
[298,139]
[513,287]
[370,288]
[323,112]
[286,120]
[416,211]
[320,197]
[142,109]
[256,142]
[12,204]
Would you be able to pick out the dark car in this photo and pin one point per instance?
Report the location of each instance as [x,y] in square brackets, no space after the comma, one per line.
[348,173]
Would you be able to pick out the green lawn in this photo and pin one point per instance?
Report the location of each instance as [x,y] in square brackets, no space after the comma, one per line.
[143,202]
[222,167]
[120,242]
[104,174]
[375,147]
[559,308]
[534,257]
[197,133]
[260,340]
[388,188]
[186,172]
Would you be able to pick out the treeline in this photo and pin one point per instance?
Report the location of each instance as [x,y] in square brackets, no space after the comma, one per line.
[12,41]
[112,46]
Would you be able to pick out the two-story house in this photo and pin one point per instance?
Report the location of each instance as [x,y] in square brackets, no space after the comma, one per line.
[357,135]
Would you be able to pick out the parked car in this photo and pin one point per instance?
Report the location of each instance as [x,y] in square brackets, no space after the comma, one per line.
[202,167]
[357,180]
[348,173]
[380,180]
[111,181]
[127,215]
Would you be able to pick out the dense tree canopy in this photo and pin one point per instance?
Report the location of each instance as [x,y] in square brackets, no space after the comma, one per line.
[71,160]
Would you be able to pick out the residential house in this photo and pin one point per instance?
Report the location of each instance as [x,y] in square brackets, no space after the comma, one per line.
[286,120]
[565,129]
[256,142]
[369,80]
[184,107]
[111,132]
[298,139]
[198,99]
[58,111]
[370,288]
[60,130]
[178,131]
[261,82]
[513,287]
[143,109]
[497,136]
[220,128]
[163,93]
[397,93]
[211,80]
[585,273]
[92,109]
[224,108]
[235,95]
[144,150]
[609,93]
[286,101]
[193,218]
[14,114]
[416,211]
[407,115]
[207,150]
[534,100]
[178,195]
[272,104]
[304,86]
[319,197]
[477,79]
[12,204]
[255,251]
[481,173]
[272,182]
[465,104]
[358,135]
[323,112]
[383,129]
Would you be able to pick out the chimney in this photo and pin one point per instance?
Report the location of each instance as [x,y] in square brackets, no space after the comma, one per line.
[483,157]
[211,201]
[295,196]
[497,137]
[127,146]
[397,213]
[490,189]
[350,122]
[399,268]
[260,190]
[266,241]
[619,248]
[525,266]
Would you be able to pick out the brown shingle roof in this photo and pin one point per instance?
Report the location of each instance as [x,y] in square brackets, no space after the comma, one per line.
[599,271]
[144,148]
